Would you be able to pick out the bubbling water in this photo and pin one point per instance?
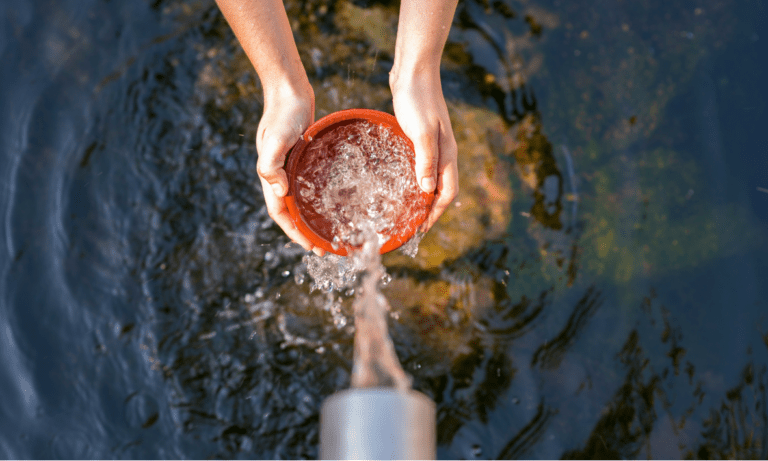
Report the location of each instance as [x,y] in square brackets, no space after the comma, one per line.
[359,174]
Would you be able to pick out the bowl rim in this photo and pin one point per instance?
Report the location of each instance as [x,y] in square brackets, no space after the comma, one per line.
[294,154]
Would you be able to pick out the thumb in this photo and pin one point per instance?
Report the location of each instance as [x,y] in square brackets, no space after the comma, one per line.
[271,163]
[427,155]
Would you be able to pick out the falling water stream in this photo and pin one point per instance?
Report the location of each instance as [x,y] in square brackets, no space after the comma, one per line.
[375,362]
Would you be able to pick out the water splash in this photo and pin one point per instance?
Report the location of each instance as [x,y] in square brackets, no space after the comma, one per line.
[411,247]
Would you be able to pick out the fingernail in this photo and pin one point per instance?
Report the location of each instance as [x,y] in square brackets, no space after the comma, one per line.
[428,184]
[278,189]
[318,251]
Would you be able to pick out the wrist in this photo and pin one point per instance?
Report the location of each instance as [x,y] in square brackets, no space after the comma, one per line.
[288,88]
[413,75]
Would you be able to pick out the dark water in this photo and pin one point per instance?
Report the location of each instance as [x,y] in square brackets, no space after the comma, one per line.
[598,291]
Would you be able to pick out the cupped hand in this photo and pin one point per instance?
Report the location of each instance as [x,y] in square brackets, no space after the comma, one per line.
[421,111]
[286,116]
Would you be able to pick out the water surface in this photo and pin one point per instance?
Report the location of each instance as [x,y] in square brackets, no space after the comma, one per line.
[597,290]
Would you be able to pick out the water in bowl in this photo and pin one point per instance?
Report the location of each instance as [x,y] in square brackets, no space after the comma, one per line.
[359,173]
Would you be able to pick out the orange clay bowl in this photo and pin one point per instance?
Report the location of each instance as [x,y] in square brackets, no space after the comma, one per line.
[318,228]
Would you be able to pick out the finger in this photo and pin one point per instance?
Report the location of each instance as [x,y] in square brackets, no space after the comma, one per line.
[426,150]
[447,189]
[278,211]
[271,162]
[448,179]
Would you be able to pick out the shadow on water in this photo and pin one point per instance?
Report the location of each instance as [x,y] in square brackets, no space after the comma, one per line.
[572,303]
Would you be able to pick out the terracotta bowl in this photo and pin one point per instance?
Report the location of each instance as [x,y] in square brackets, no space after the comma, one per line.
[316,227]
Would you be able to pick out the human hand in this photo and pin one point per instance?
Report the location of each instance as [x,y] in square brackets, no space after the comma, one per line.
[421,111]
[286,116]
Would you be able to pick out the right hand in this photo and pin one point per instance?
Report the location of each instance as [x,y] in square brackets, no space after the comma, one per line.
[422,113]
[286,116]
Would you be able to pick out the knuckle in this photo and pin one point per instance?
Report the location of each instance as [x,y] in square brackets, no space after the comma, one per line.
[268,169]
[264,172]
[271,143]
[427,163]
[453,193]
[426,169]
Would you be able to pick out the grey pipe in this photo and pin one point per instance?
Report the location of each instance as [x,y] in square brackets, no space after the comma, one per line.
[378,423]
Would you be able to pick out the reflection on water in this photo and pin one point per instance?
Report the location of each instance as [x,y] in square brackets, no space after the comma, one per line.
[595,291]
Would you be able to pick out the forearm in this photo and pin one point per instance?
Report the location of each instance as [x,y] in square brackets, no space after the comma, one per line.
[421,35]
[417,97]
[263,30]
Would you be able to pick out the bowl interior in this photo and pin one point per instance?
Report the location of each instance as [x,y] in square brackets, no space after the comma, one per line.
[309,175]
